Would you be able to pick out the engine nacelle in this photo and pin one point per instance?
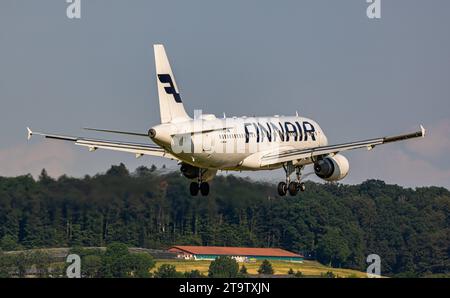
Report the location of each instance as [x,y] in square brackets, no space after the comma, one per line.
[189,171]
[332,168]
[192,172]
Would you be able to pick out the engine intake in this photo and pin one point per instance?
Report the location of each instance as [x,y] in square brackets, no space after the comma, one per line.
[332,168]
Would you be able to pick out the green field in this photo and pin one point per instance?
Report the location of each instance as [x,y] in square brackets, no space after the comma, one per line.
[308,268]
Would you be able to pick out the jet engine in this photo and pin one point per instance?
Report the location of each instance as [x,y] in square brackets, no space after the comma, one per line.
[332,168]
[192,172]
[189,171]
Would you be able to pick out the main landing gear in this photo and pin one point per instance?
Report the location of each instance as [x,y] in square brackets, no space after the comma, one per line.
[200,185]
[293,187]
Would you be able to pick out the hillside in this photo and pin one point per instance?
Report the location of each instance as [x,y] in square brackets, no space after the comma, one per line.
[51,262]
[337,225]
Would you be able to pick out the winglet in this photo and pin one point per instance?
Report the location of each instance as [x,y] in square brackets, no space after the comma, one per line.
[29,133]
[422,129]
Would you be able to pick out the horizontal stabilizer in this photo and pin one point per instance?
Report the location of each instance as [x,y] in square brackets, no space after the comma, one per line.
[117,131]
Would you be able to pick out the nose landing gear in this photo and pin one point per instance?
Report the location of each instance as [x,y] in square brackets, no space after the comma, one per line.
[293,187]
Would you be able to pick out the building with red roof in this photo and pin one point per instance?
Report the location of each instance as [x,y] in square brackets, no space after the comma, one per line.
[241,254]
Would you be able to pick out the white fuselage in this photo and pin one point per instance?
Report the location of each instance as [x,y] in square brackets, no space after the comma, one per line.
[237,143]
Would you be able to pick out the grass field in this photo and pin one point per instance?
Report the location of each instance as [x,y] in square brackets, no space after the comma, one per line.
[308,268]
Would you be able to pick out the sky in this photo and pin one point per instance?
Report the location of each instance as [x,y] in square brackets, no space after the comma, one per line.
[358,77]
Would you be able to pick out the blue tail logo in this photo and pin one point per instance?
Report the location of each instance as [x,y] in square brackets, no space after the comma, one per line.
[166,79]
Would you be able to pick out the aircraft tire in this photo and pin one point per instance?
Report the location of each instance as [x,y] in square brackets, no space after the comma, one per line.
[194,188]
[204,188]
[282,188]
[293,188]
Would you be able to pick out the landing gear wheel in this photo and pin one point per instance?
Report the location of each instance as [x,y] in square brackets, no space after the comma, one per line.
[193,188]
[282,189]
[204,188]
[293,188]
[302,186]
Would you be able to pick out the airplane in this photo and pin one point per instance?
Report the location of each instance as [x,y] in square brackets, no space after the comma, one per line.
[206,144]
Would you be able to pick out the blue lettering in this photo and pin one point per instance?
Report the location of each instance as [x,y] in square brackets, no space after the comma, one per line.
[265,131]
[309,130]
[257,132]
[247,134]
[277,131]
[294,130]
[300,133]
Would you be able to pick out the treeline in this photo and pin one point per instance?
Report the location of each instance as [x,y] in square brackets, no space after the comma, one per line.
[339,225]
[115,261]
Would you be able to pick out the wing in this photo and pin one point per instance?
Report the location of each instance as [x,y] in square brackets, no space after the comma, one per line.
[282,156]
[138,149]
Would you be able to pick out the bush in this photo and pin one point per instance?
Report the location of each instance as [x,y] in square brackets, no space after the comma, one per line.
[265,268]
[328,274]
[9,243]
[116,250]
[91,266]
[116,261]
[193,274]
[167,271]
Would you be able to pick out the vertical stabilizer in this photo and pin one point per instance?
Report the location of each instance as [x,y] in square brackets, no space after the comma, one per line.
[170,104]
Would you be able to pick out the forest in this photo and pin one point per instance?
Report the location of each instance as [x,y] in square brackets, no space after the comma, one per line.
[337,224]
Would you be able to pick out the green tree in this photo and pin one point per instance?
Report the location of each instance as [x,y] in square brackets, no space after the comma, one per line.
[167,271]
[91,266]
[118,171]
[114,261]
[139,264]
[22,262]
[333,248]
[116,250]
[6,265]
[41,261]
[265,268]
[193,274]
[243,270]
[224,267]
[9,243]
